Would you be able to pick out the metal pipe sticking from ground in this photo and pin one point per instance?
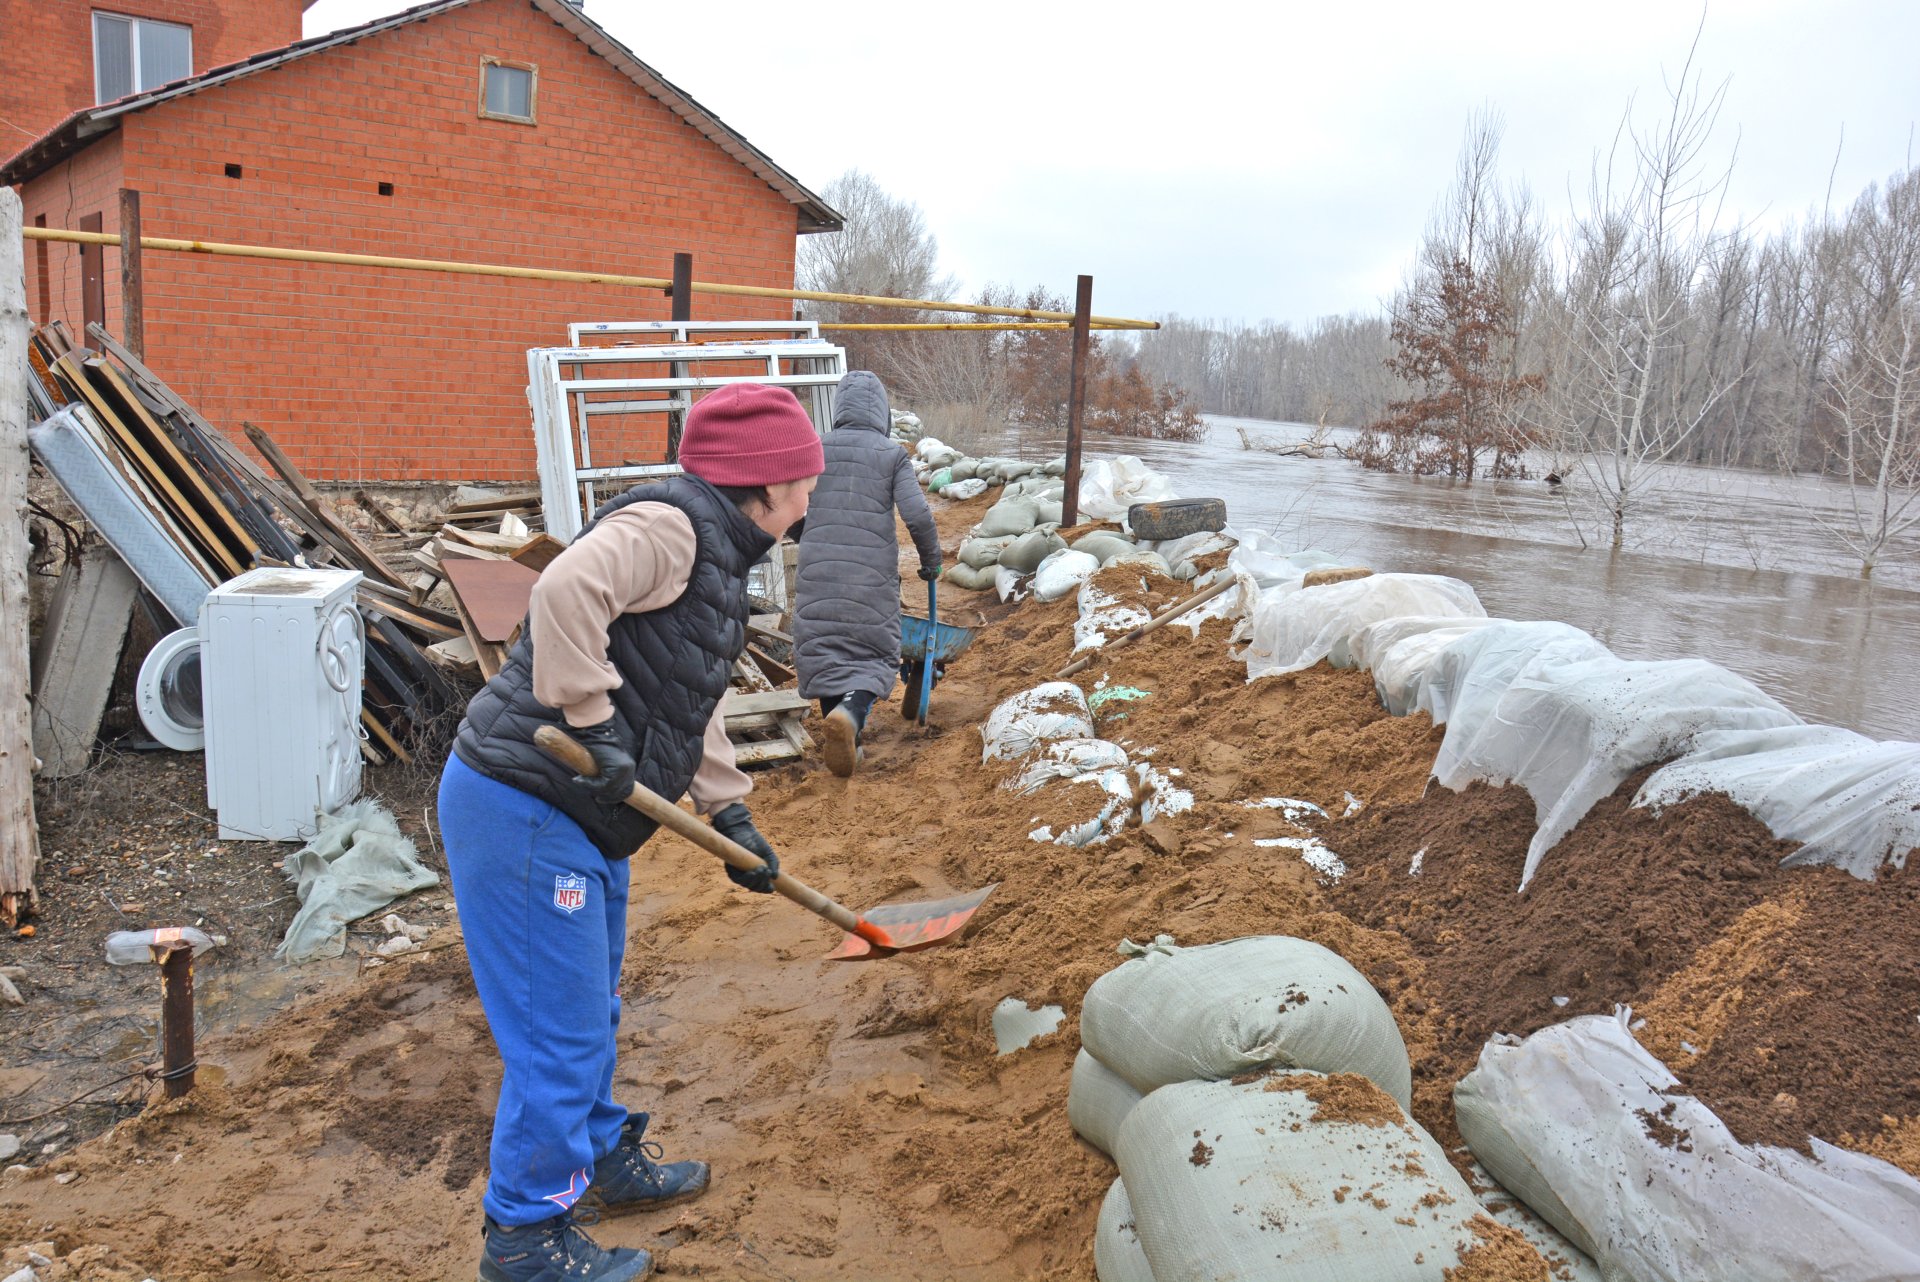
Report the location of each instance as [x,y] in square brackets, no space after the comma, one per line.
[177,1063]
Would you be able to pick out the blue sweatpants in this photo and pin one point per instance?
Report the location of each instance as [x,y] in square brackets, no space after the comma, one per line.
[545,919]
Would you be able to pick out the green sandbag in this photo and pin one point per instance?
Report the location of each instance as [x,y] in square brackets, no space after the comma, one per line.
[970,578]
[1104,545]
[1008,516]
[965,470]
[940,480]
[1024,554]
[983,553]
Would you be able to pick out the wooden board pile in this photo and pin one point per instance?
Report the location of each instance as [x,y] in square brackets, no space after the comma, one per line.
[443,604]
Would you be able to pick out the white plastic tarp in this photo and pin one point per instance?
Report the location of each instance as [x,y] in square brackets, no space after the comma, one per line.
[1589,1129]
[1853,801]
[1053,710]
[1292,630]
[1110,486]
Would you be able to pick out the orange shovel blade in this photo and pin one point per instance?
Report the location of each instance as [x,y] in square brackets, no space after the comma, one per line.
[900,928]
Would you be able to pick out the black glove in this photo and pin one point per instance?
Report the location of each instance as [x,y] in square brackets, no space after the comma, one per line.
[614,782]
[930,572]
[734,822]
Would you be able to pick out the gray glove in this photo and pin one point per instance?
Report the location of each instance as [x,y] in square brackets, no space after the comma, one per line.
[734,822]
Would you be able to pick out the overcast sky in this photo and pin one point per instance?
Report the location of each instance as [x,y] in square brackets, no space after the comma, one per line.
[1257,160]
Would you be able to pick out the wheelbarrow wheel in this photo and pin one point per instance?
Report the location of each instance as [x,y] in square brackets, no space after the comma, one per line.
[912,672]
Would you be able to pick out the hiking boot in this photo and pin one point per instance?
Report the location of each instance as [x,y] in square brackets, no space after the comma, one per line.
[842,733]
[557,1250]
[632,1177]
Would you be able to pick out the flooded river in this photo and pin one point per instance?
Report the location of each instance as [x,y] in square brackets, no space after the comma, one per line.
[1724,565]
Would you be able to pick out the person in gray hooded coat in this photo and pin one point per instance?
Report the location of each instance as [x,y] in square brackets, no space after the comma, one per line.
[846,618]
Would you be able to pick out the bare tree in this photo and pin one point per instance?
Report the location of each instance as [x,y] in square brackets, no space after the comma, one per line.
[884,248]
[1634,388]
[1874,389]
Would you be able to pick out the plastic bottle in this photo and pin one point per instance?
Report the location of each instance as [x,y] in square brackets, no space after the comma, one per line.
[135,947]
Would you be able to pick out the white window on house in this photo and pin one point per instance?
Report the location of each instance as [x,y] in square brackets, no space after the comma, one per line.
[133,55]
[506,90]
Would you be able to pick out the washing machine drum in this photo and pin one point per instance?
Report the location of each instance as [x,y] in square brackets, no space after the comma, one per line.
[168,692]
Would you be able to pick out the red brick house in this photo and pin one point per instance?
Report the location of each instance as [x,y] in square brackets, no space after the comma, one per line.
[503,131]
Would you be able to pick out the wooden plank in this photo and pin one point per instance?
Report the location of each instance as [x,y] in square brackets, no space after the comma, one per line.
[380,513]
[736,703]
[746,672]
[795,732]
[495,595]
[407,616]
[456,656]
[447,551]
[777,672]
[759,721]
[19,837]
[496,503]
[767,627]
[339,534]
[486,540]
[764,753]
[539,551]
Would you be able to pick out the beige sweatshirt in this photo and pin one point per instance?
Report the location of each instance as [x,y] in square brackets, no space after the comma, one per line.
[637,559]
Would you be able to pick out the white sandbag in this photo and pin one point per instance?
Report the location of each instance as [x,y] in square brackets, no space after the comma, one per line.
[1062,573]
[1098,1101]
[1055,710]
[1172,1014]
[1103,616]
[1590,1130]
[928,446]
[969,578]
[961,491]
[1024,554]
[1261,1181]
[1054,466]
[1105,545]
[1181,553]
[965,469]
[1853,801]
[984,552]
[1568,1262]
[1149,562]
[1293,630]
[1117,1253]
[1068,759]
[1571,729]
[1006,583]
[1108,487]
[1016,515]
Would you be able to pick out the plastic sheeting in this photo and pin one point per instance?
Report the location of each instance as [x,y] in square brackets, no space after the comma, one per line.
[1244,1183]
[1564,1121]
[1173,1014]
[357,863]
[1853,801]
[1054,710]
[1109,487]
[1291,630]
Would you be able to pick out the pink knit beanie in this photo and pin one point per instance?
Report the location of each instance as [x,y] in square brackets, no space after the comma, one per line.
[750,434]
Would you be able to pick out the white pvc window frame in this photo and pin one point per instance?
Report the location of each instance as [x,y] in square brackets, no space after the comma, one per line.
[691,331]
[135,25]
[559,388]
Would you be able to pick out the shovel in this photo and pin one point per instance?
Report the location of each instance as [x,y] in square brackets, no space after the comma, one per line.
[880,932]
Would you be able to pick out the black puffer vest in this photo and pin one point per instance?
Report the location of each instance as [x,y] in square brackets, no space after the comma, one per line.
[674,665]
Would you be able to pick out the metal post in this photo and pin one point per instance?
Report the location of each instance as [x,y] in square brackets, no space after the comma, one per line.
[133,321]
[682,294]
[1077,401]
[176,1016]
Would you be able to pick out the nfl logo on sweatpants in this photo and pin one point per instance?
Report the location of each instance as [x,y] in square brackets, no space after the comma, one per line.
[570,892]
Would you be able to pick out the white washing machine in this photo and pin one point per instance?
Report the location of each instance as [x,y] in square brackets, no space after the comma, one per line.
[281,657]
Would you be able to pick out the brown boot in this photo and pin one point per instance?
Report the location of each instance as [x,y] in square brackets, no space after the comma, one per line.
[842,734]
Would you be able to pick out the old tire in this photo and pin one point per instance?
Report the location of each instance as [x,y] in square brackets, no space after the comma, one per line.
[1176,518]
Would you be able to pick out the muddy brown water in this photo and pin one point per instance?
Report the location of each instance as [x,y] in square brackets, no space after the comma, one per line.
[1735,567]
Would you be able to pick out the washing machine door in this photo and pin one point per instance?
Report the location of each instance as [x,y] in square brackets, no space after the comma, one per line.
[342,656]
[168,692]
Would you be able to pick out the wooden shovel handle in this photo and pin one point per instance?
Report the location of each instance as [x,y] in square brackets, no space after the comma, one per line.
[1164,617]
[564,749]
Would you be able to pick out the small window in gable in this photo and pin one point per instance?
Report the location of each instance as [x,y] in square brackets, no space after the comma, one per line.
[506,90]
[133,55]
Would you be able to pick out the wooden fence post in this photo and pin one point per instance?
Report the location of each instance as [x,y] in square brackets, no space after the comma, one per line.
[1077,400]
[133,293]
[19,836]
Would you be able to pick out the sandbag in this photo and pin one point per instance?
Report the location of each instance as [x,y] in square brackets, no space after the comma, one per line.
[1402,652]
[1039,487]
[1055,466]
[1006,583]
[1294,630]
[1063,572]
[1014,515]
[968,577]
[1150,562]
[1105,545]
[1853,801]
[1180,554]
[1172,1014]
[927,446]
[1023,555]
[1055,710]
[978,552]
[939,479]
[1103,616]
[1569,1262]
[961,491]
[1068,759]
[1048,511]
[1296,1177]
[1098,1101]
[1108,487]
[1592,1132]
[1117,1253]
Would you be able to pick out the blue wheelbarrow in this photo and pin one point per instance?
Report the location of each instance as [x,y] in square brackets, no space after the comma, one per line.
[926,646]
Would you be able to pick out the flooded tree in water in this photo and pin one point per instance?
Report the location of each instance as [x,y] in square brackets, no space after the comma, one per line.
[1874,387]
[1456,333]
[1636,380]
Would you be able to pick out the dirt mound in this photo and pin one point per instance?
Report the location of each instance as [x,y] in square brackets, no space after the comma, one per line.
[859,1121]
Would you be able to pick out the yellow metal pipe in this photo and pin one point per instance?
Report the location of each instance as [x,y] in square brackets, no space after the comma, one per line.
[222,249]
[961,325]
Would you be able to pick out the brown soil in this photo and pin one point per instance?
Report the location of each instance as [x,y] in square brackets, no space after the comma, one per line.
[859,1121]
[1498,1254]
[1341,1097]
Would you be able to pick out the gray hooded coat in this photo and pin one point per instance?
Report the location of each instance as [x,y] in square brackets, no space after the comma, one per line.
[846,619]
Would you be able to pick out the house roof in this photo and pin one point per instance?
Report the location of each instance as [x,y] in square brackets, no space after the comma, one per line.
[83,127]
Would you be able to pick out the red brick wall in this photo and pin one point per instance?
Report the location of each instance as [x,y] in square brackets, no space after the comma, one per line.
[88,184]
[382,375]
[46,50]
